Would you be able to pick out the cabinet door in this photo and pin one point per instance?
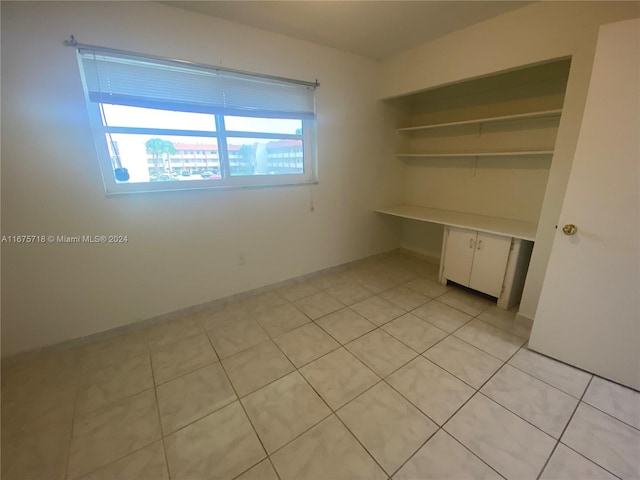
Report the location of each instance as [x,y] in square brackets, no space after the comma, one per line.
[490,263]
[458,255]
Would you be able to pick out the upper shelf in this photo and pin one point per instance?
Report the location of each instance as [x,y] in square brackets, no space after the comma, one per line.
[498,226]
[504,118]
[477,154]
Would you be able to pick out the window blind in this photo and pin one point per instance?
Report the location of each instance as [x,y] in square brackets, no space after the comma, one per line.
[136,80]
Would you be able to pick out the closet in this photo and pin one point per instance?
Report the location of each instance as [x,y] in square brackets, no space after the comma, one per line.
[476,156]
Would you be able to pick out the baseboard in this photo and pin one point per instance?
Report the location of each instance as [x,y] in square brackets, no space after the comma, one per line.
[524,320]
[429,256]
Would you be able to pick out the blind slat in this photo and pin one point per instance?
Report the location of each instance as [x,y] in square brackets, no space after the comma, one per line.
[137,82]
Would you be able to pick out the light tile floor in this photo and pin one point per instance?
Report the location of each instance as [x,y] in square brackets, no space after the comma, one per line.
[373,371]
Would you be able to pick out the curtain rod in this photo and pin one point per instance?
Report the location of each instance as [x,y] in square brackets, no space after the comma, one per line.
[72,42]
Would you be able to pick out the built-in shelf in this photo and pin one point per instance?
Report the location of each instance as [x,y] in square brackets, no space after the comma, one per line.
[482,223]
[526,153]
[503,118]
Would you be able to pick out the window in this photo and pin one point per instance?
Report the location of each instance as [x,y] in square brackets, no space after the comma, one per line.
[171,125]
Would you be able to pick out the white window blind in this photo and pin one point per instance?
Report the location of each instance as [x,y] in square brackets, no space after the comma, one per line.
[128,79]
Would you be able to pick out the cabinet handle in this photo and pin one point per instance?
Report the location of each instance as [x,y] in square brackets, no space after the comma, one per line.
[479,244]
[471,243]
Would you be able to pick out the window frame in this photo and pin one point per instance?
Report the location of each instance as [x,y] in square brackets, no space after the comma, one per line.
[100,132]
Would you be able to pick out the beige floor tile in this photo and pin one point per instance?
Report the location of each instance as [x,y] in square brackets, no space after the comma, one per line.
[610,443]
[37,410]
[427,287]
[380,352]
[283,410]
[401,272]
[505,320]
[540,404]
[282,319]
[192,396]
[327,451]
[305,344]
[146,464]
[182,357]
[40,455]
[226,317]
[414,332]
[437,393]
[236,337]
[442,316]
[111,352]
[27,374]
[565,464]
[376,282]
[262,471]
[298,290]
[325,281]
[345,325]
[442,457]
[168,332]
[388,426]
[256,367]
[465,301]
[339,377]
[404,297]
[221,445]
[349,292]
[468,363]
[377,310]
[108,385]
[261,301]
[105,435]
[318,305]
[513,447]
[490,339]
[564,377]
[618,401]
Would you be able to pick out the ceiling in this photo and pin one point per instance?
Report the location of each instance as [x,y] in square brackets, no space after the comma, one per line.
[374,29]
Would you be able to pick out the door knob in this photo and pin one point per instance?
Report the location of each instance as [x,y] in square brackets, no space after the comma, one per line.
[569,229]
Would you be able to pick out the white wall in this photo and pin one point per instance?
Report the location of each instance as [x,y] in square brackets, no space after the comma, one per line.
[182,246]
[532,34]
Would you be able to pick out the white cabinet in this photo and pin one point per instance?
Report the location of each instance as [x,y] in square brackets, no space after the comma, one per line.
[486,262]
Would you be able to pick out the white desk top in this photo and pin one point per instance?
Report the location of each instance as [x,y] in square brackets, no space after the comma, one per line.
[499,226]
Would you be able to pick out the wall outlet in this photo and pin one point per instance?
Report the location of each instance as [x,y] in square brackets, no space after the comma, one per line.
[241,260]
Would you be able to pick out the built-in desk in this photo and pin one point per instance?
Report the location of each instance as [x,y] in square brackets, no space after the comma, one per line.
[487,254]
[481,223]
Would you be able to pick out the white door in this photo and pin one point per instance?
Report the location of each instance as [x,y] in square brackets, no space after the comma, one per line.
[589,309]
[490,263]
[458,254]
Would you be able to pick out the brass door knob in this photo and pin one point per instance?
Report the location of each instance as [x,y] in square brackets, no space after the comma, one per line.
[569,229]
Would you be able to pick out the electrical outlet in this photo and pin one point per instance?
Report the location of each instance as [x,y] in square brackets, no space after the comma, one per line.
[241,259]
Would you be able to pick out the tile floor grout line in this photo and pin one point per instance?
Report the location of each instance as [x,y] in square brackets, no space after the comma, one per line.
[358,440]
[243,410]
[144,446]
[589,459]
[564,430]
[544,381]
[479,392]
[73,419]
[155,391]
[607,413]
[331,410]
